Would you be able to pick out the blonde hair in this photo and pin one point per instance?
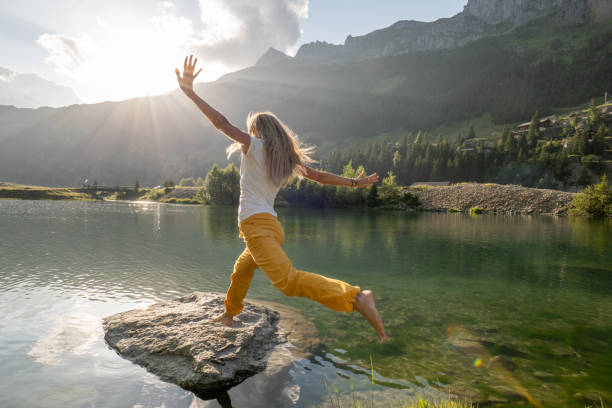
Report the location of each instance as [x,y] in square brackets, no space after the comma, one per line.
[284,154]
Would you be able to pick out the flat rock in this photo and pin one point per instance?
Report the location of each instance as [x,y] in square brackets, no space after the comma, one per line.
[178,341]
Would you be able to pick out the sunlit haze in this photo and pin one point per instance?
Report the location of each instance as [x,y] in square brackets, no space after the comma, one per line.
[115,50]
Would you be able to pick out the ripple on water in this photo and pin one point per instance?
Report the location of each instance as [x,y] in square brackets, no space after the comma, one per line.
[533,291]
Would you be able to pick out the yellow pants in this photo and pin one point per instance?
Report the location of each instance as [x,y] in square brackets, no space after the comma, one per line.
[264,237]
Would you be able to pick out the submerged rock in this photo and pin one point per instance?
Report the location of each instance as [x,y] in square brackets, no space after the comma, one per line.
[178,341]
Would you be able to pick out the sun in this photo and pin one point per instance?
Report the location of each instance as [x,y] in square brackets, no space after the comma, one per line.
[119,62]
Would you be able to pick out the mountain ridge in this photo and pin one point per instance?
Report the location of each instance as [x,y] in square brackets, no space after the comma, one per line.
[327,104]
[478,20]
[32,91]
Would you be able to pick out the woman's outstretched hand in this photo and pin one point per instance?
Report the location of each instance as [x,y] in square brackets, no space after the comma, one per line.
[186,80]
[366,181]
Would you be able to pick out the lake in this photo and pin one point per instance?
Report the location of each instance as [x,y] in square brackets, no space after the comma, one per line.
[505,308]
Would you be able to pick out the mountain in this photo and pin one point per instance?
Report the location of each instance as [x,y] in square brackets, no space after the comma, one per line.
[32,91]
[479,19]
[272,56]
[540,64]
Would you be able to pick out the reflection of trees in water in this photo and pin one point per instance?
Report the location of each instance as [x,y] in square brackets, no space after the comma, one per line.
[351,231]
[219,222]
[592,233]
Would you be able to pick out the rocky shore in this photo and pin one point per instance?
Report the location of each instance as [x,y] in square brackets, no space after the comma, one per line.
[494,198]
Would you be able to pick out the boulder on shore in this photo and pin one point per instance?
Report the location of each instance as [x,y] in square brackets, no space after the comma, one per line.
[178,340]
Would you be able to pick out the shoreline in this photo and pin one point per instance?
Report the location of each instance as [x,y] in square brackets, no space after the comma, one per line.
[494,198]
[460,198]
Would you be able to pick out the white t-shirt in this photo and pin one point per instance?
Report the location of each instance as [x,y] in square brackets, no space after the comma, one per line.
[257,192]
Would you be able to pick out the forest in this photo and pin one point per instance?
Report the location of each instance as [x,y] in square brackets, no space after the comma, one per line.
[574,156]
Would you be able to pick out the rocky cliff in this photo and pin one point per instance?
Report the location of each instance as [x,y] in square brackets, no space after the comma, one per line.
[479,19]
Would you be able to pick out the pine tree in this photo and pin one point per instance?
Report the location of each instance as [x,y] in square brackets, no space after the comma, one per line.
[471,133]
[534,130]
[372,199]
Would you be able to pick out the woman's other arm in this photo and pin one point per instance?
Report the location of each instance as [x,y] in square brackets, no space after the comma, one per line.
[215,117]
[324,177]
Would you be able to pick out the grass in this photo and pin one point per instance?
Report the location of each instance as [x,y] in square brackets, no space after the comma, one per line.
[483,127]
[23,192]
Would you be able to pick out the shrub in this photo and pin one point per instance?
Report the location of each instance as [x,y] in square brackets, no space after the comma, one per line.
[476,210]
[594,200]
[389,190]
[222,186]
[187,182]
[410,200]
[153,194]
[174,200]
[372,199]
[454,210]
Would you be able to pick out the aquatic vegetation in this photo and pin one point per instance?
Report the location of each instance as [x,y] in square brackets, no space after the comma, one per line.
[335,401]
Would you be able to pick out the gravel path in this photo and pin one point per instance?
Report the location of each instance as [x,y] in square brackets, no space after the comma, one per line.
[495,198]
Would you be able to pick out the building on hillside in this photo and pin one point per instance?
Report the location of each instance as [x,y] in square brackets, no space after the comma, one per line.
[472,144]
[547,123]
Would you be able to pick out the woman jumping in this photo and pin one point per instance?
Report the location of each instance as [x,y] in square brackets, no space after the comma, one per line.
[271,157]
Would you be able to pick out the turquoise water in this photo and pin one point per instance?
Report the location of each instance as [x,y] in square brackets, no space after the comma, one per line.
[500,308]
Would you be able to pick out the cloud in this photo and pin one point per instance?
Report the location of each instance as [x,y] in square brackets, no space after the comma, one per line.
[236,33]
[67,54]
[136,56]
[7,76]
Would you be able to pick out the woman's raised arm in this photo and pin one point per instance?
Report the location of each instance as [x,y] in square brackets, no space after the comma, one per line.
[216,118]
[324,177]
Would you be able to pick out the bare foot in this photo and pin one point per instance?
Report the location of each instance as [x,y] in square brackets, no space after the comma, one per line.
[364,304]
[223,318]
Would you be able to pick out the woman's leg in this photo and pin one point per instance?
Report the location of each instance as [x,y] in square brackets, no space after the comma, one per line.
[239,283]
[264,237]
[266,250]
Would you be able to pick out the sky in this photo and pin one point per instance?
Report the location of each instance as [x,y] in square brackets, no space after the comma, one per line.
[117,49]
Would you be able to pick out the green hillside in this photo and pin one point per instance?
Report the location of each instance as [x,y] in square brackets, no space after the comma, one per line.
[485,85]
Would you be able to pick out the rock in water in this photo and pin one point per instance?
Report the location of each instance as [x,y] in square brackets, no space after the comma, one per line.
[178,341]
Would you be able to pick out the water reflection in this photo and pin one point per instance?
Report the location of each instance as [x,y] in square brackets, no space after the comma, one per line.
[72,332]
[533,290]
